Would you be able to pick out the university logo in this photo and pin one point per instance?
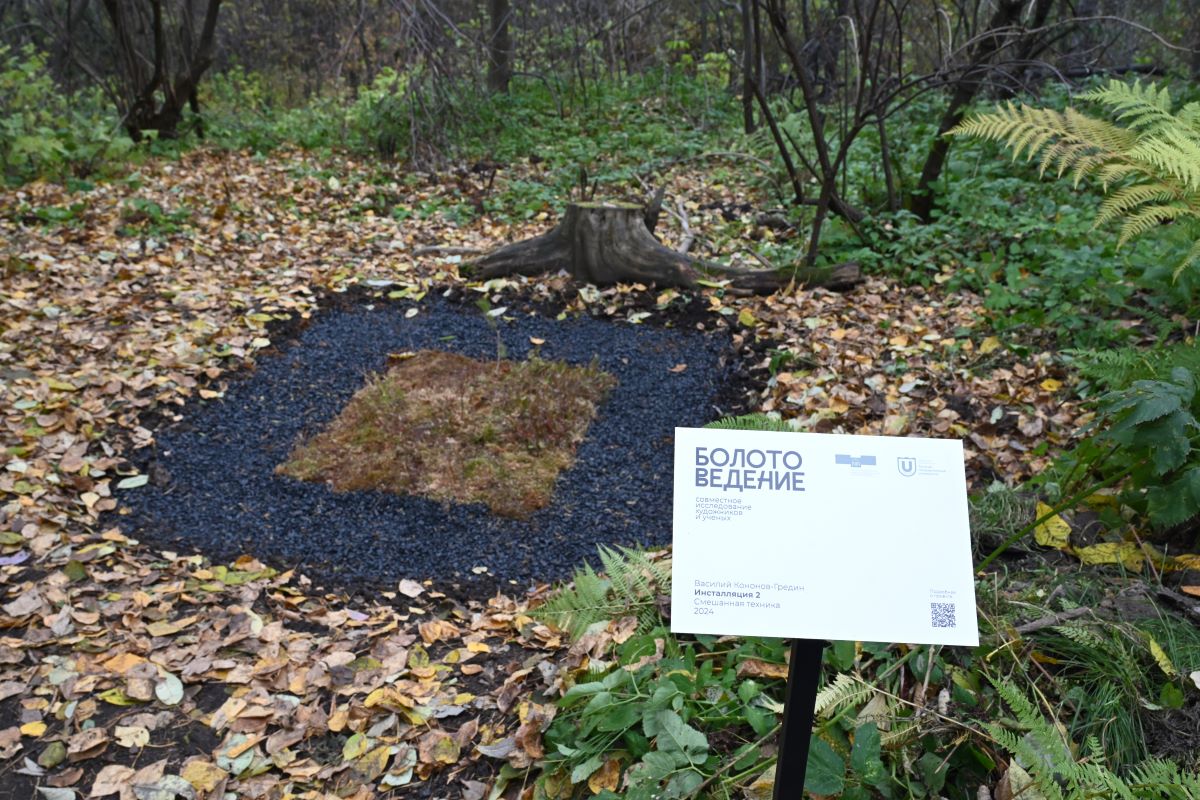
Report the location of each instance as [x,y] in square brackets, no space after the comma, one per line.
[906,466]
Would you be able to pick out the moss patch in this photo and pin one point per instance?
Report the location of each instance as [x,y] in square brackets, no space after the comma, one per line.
[451,428]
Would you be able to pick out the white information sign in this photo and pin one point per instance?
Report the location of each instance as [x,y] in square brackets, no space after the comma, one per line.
[820,536]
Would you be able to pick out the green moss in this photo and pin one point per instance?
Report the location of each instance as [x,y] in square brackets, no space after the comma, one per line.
[445,426]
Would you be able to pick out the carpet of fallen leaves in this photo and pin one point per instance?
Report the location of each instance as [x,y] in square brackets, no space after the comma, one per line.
[133,672]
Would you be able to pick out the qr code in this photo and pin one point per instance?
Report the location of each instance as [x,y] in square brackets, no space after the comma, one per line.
[942,615]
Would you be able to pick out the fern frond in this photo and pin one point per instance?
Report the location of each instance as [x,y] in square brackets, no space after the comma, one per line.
[1124,200]
[1149,167]
[846,691]
[1113,172]
[1048,759]
[901,733]
[1118,369]
[1150,217]
[1173,153]
[1143,108]
[1192,257]
[630,586]
[1190,115]
[1085,637]
[1165,779]
[577,607]
[751,422]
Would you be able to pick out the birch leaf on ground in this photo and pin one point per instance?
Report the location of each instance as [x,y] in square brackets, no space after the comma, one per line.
[1054,531]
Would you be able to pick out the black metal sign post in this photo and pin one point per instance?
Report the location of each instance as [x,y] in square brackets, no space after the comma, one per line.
[799,706]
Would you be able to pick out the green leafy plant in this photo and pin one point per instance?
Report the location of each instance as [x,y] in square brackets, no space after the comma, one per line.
[645,726]
[1154,427]
[146,217]
[382,112]
[45,132]
[1149,167]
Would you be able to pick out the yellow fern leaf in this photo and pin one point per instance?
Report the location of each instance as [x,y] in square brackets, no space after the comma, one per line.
[1148,167]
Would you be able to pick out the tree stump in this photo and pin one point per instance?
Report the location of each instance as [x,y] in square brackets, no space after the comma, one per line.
[608,243]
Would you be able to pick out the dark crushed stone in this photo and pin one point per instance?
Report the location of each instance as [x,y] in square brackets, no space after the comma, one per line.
[223,498]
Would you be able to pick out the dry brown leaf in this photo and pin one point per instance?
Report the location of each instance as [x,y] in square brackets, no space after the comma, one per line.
[756,668]
[437,747]
[87,744]
[110,780]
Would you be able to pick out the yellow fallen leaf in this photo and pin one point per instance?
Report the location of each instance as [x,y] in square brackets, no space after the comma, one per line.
[989,345]
[1051,385]
[1194,591]
[1101,500]
[437,747]
[746,319]
[1126,553]
[606,777]
[163,628]
[1054,532]
[372,765]
[478,647]
[357,746]
[123,662]
[1187,561]
[131,736]
[203,775]
[117,697]
[34,729]
[1160,656]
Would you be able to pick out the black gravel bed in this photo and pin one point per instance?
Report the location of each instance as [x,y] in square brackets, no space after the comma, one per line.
[214,489]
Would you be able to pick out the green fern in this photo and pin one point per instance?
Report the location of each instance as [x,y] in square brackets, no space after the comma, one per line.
[1120,368]
[1149,166]
[752,422]
[578,606]
[1050,760]
[846,691]
[630,586]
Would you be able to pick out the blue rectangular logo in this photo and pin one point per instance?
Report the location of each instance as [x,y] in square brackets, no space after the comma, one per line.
[854,461]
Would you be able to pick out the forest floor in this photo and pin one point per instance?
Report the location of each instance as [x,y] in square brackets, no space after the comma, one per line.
[124,665]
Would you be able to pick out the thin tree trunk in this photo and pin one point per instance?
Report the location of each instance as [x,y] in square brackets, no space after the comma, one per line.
[748,82]
[1008,12]
[499,47]
[826,171]
[885,156]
